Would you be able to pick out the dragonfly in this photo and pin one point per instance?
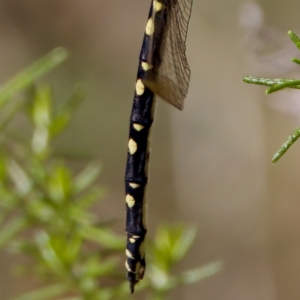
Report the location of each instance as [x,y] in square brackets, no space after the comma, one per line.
[163,71]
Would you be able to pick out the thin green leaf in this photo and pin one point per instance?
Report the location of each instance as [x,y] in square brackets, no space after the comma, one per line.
[64,113]
[40,210]
[9,115]
[105,294]
[22,246]
[3,170]
[96,268]
[41,115]
[86,177]
[90,198]
[294,39]
[296,60]
[201,273]
[270,81]
[59,123]
[25,77]
[41,106]
[286,145]
[9,200]
[49,253]
[171,244]
[104,237]
[11,230]
[122,290]
[46,293]
[161,280]
[183,243]
[77,96]
[281,86]
[19,177]
[59,184]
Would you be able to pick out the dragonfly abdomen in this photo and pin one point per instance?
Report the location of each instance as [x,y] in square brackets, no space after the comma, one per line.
[163,70]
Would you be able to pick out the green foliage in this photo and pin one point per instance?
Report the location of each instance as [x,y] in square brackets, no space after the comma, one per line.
[278,84]
[46,208]
[170,246]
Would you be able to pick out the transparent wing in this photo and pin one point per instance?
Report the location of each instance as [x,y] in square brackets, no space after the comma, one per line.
[170,80]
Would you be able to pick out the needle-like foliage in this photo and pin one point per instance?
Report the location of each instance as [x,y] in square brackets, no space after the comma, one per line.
[278,84]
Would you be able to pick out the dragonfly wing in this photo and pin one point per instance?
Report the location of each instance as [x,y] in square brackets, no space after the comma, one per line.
[170,77]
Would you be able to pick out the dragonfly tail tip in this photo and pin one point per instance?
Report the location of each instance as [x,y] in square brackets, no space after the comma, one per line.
[131,285]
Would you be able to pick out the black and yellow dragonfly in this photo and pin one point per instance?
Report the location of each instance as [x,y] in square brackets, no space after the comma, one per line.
[163,71]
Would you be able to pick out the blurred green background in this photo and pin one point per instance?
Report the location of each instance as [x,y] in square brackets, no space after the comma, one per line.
[210,164]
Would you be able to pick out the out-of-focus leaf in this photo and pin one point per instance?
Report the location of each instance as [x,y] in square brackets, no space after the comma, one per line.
[40,141]
[40,210]
[201,273]
[46,293]
[79,216]
[59,123]
[63,115]
[171,244]
[41,116]
[48,253]
[41,106]
[86,177]
[182,242]
[90,198]
[121,291]
[77,96]
[11,229]
[3,168]
[19,177]
[87,284]
[27,76]
[8,199]
[105,294]
[296,60]
[104,237]
[161,280]
[22,246]
[10,113]
[59,184]
[96,268]
[37,170]
[72,249]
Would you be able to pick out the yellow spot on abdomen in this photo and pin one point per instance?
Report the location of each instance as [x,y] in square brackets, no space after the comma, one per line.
[127,267]
[129,254]
[139,87]
[132,146]
[138,127]
[130,200]
[146,66]
[149,27]
[157,6]
[132,240]
[134,185]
